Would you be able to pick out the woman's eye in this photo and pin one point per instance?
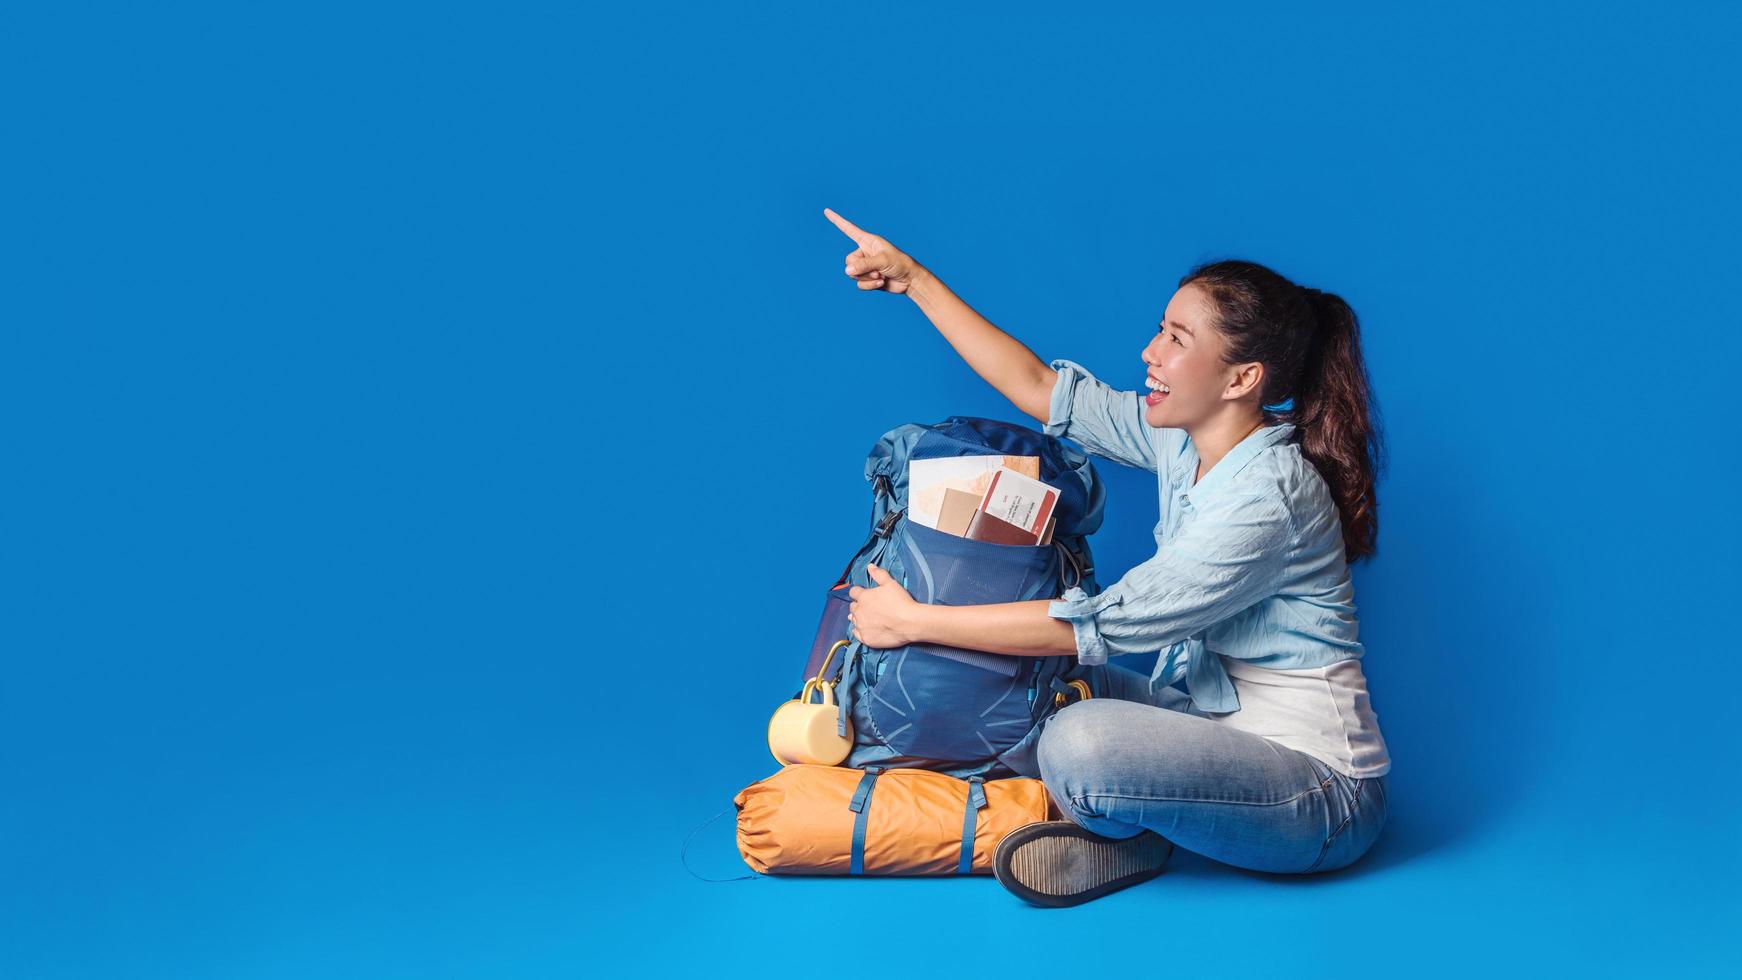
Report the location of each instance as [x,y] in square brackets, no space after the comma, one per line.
[1176,339]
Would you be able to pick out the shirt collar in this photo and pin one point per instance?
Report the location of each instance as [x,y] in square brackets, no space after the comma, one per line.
[1256,441]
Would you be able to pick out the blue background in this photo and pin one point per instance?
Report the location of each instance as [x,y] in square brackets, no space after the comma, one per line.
[430,431]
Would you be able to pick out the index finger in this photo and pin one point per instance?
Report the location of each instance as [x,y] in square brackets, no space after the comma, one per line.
[848,228]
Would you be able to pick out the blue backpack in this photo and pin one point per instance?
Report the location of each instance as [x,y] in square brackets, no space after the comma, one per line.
[961,712]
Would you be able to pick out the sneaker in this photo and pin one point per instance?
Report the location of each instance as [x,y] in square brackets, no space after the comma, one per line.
[1057,863]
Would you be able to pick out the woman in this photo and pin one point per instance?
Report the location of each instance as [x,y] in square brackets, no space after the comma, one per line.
[1258,427]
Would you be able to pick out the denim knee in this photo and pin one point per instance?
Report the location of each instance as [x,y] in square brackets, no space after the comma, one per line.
[1069,746]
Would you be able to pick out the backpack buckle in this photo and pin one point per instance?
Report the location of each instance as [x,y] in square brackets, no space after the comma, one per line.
[888,523]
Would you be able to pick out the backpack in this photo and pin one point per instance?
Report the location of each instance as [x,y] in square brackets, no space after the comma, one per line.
[927,706]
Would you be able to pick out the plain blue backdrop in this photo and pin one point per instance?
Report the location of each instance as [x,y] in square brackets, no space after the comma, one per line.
[430,431]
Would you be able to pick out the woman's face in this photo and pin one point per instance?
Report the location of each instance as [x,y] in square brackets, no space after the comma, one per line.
[1186,356]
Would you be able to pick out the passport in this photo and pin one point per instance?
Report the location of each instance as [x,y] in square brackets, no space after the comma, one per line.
[985,527]
[1020,501]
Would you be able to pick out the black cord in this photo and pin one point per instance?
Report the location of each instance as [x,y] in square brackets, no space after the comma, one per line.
[684,856]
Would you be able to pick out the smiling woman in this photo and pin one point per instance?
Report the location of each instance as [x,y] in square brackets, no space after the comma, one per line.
[1258,426]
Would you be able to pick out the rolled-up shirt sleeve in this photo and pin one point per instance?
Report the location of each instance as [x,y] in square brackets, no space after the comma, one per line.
[1229,556]
[1102,419]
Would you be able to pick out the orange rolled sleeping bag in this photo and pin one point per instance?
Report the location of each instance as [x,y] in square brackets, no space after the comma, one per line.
[825,820]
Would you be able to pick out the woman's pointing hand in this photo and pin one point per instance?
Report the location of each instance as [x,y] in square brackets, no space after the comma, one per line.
[876,264]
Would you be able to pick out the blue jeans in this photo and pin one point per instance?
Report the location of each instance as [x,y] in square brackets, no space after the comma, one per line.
[1131,761]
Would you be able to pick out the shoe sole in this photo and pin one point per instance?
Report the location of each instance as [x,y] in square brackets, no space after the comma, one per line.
[1057,863]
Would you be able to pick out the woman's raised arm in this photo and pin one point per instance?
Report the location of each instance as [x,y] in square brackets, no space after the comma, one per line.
[1001,359]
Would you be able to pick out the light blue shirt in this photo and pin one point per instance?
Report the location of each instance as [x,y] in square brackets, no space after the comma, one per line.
[1249,562]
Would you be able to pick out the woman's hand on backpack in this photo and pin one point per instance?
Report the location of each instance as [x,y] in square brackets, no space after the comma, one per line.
[886,616]
[876,264]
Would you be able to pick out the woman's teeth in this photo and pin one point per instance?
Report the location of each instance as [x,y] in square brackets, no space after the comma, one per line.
[1155,385]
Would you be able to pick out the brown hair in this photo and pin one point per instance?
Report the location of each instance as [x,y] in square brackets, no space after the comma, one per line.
[1309,342]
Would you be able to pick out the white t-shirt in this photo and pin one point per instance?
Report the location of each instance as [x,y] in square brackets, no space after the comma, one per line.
[1322,711]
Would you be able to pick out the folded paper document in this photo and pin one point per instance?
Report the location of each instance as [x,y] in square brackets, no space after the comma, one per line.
[984,498]
[930,480]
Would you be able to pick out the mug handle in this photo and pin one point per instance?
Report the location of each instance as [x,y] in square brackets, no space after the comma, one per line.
[818,684]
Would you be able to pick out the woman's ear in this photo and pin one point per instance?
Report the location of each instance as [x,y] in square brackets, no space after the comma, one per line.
[1247,379]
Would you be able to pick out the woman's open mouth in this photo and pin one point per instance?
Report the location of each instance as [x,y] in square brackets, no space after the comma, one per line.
[1157,392]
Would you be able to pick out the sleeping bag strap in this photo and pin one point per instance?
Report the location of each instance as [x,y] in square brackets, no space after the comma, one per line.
[976,800]
[861,805]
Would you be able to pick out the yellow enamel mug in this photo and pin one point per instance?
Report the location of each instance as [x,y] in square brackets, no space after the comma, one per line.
[804,733]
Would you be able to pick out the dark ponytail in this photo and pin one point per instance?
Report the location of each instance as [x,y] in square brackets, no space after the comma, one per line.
[1314,376]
